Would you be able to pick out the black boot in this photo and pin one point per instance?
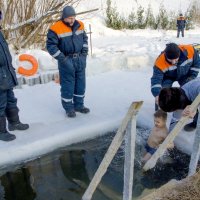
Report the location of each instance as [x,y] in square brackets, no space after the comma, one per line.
[4,134]
[82,110]
[13,120]
[71,114]
[192,126]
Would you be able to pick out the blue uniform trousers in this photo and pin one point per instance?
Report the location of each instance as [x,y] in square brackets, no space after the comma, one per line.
[182,32]
[72,81]
[7,101]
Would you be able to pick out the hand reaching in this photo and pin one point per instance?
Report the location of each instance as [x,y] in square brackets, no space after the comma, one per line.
[156,99]
[187,112]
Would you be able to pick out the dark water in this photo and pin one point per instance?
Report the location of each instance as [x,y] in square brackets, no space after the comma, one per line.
[66,173]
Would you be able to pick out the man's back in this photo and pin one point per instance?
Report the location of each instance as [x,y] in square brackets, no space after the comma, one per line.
[192,89]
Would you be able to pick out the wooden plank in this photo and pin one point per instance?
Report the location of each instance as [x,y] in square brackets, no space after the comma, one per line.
[129,160]
[112,150]
[170,138]
[90,29]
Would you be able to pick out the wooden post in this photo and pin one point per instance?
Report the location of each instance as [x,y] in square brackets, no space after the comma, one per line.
[112,150]
[196,151]
[170,138]
[88,11]
[20,80]
[129,160]
[90,29]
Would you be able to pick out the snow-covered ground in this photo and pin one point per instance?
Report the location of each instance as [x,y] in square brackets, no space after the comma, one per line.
[118,73]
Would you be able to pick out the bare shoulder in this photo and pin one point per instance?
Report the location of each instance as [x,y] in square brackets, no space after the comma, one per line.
[153,131]
[165,131]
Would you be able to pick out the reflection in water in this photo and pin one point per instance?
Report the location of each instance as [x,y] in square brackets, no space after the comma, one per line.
[65,174]
[1,191]
[17,185]
[49,181]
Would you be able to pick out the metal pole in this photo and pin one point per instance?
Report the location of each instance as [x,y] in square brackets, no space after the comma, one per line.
[196,151]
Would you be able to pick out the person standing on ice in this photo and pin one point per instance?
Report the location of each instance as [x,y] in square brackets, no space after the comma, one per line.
[8,101]
[181,22]
[176,63]
[67,42]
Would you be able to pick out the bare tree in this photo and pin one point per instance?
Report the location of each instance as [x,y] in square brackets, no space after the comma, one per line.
[26,22]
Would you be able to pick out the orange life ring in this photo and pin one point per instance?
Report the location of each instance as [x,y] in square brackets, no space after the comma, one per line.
[32,60]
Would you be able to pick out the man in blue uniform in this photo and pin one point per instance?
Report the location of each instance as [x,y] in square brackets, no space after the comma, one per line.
[8,101]
[181,22]
[68,43]
[179,63]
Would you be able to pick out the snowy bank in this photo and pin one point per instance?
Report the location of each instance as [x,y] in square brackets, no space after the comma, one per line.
[50,128]
[118,73]
[108,96]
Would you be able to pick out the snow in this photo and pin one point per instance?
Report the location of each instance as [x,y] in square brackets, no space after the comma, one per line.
[50,128]
[118,73]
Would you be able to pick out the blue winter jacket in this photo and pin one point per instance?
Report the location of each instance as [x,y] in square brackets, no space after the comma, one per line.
[63,40]
[181,22]
[187,68]
[7,73]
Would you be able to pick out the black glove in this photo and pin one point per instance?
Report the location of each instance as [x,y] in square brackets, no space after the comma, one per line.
[84,53]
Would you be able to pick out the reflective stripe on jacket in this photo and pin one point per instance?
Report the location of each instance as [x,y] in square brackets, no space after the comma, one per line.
[187,68]
[63,40]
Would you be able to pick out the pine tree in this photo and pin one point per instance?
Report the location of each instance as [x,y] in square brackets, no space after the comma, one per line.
[157,22]
[109,14]
[138,20]
[140,17]
[132,24]
[163,17]
[190,17]
[172,21]
[150,20]
[113,18]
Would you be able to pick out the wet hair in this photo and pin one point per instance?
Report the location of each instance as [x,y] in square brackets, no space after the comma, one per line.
[161,114]
[171,99]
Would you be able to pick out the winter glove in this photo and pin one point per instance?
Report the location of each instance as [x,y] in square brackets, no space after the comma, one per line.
[64,60]
[85,53]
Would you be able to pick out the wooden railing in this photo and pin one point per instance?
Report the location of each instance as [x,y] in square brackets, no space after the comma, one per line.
[170,138]
[112,150]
